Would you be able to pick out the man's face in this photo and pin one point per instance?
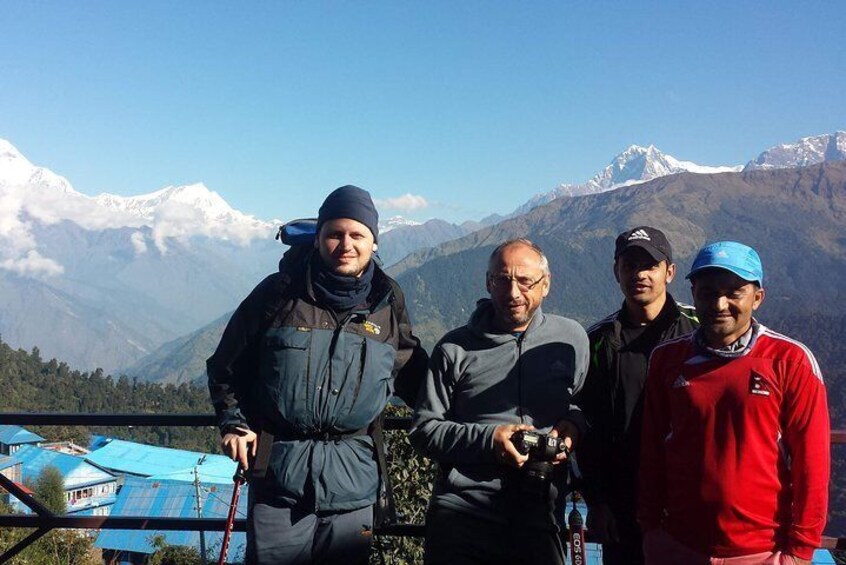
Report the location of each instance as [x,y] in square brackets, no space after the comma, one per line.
[517,286]
[345,246]
[642,279]
[724,303]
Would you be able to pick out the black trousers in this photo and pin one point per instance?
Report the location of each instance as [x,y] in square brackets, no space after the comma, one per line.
[455,538]
[629,550]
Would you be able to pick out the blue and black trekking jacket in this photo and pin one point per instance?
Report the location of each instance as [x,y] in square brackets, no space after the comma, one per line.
[315,380]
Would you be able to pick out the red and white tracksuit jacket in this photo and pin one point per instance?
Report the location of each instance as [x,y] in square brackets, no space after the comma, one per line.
[735,451]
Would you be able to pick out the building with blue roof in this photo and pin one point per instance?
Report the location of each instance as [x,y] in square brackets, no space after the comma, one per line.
[87,487]
[11,469]
[170,499]
[13,437]
[142,460]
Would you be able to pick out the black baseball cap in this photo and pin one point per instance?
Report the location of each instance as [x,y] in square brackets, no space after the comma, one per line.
[652,240]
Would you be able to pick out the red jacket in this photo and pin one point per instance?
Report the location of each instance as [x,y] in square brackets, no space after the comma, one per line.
[735,451]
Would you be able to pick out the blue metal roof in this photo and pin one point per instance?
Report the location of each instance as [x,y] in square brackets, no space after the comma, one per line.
[97,441]
[6,462]
[77,472]
[161,462]
[16,435]
[173,499]
[215,471]
[823,557]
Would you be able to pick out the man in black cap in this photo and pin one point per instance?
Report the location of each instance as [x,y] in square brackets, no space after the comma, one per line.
[612,397]
[308,361]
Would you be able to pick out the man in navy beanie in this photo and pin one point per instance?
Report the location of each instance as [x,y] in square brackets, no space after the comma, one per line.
[299,380]
[350,202]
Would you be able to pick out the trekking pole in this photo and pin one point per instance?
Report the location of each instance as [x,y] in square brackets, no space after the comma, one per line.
[576,525]
[239,479]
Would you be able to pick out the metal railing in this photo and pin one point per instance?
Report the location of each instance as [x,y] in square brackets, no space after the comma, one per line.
[44,520]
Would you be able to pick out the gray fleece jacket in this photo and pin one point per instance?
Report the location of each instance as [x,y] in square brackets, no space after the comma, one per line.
[478,380]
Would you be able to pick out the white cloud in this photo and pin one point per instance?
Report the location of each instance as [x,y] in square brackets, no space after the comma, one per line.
[407,203]
[15,235]
[23,204]
[138,242]
[32,264]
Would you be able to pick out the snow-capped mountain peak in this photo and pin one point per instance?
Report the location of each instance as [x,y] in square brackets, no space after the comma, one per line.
[395,222]
[17,171]
[32,194]
[637,164]
[188,210]
[9,152]
[197,196]
[640,164]
[807,151]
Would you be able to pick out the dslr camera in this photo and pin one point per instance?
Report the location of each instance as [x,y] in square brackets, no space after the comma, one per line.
[541,449]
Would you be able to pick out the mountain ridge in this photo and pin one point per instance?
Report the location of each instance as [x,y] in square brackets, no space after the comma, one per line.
[806,151]
[120,285]
[762,208]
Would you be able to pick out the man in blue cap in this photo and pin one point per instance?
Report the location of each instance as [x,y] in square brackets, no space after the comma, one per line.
[735,444]
[308,361]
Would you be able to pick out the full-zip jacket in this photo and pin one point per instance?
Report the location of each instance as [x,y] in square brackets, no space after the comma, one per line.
[315,379]
[608,456]
[479,379]
[736,457]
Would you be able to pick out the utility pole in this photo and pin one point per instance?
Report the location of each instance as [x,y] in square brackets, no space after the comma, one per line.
[200,508]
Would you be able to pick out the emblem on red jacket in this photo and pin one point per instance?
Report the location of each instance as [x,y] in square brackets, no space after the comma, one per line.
[758,385]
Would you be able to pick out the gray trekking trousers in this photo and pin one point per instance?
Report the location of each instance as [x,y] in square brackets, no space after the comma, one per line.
[280,535]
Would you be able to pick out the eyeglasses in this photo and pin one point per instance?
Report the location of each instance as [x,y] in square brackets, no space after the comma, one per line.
[503,282]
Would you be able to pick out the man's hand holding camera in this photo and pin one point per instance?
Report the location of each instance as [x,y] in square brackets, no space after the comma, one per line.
[513,448]
[504,449]
[570,433]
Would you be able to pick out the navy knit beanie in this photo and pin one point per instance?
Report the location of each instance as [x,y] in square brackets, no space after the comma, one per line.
[350,202]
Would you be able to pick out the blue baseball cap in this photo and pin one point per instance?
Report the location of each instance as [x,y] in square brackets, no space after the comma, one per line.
[732,256]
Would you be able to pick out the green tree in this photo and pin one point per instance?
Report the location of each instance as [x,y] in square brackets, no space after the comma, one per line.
[59,547]
[172,554]
[50,490]
[411,478]
[65,547]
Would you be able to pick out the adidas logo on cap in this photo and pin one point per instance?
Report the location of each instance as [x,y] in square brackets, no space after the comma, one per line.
[639,234]
[651,239]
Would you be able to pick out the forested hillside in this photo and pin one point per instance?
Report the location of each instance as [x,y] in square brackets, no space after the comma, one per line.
[31,384]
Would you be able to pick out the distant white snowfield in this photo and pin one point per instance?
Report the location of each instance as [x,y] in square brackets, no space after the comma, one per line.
[396,222]
[807,151]
[31,193]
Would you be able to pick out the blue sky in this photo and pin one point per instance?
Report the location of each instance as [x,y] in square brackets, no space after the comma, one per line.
[473,106]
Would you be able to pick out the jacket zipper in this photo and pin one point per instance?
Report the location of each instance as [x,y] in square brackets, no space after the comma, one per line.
[520,377]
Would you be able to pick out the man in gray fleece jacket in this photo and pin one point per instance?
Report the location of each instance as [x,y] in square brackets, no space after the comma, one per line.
[511,368]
